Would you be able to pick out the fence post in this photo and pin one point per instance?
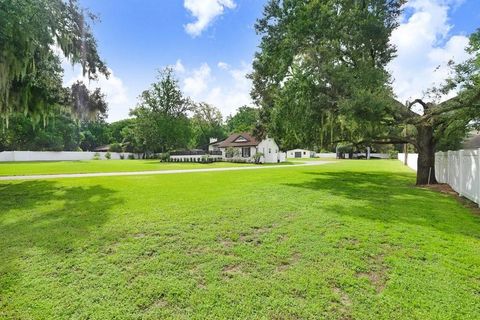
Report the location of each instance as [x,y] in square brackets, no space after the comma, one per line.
[460,169]
[449,157]
[478,176]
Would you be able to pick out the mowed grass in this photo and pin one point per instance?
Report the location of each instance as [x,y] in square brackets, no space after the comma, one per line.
[346,240]
[93,166]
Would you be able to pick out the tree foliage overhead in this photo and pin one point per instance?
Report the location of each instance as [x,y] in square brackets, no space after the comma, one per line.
[30,32]
[321,65]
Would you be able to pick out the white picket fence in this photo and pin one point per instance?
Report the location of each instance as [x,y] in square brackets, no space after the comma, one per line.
[461,170]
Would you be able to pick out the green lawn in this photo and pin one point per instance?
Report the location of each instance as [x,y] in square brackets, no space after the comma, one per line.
[91,166]
[347,240]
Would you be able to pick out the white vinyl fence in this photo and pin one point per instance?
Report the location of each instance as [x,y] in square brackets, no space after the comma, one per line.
[460,169]
[56,156]
[412,159]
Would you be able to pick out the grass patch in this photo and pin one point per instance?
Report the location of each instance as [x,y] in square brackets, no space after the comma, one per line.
[94,166]
[350,240]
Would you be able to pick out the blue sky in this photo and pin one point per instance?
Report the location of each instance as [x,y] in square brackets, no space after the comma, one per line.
[211,43]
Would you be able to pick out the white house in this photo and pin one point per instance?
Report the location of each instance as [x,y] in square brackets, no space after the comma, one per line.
[245,146]
[300,153]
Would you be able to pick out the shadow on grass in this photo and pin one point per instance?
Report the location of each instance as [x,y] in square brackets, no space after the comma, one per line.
[43,217]
[391,198]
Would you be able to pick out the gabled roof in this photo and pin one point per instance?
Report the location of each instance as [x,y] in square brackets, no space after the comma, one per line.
[103,148]
[243,139]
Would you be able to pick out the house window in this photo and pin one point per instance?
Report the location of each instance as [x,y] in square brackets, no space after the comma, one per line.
[246,152]
[304,153]
[269,150]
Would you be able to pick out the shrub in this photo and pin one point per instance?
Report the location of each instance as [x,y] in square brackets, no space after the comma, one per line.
[257,156]
[122,156]
[131,156]
[232,152]
[393,154]
[165,157]
[96,156]
[108,155]
[116,147]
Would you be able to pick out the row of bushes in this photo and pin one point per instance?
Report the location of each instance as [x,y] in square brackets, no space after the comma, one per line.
[204,159]
[108,156]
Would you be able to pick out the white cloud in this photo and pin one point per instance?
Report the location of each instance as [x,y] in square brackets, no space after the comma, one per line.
[197,83]
[424,47]
[223,65]
[205,11]
[229,91]
[116,93]
[178,67]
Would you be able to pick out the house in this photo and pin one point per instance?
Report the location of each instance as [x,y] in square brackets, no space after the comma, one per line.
[300,153]
[104,148]
[244,146]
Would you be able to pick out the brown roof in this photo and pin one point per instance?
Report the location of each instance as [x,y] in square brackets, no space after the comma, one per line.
[103,148]
[232,140]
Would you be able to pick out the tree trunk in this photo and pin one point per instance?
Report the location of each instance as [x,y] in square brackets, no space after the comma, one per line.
[426,155]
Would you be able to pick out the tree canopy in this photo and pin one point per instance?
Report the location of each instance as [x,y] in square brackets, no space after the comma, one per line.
[321,65]
[245,120]
[162,123]
[31,35]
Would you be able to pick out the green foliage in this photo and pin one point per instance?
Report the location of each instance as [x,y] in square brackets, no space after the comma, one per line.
[206,123]
[257,157]
[244,120]
[116,147]
[108,156]
[60,133]
[86,104]
[164,157]
[117,129]
[96,156]
[95,134]
[232,152]
[320,74]
[161,122]
[29,33]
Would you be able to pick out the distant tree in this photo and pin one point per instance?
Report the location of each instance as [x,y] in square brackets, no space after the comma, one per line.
[117,127]
[206,122]
[116,147]
[59,133]
[244,120]
[161,122]
[95,134]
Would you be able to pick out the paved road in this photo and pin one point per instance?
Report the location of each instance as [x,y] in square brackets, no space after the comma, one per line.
[139,173]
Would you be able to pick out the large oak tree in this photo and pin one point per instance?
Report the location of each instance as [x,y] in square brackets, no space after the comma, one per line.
[320,77]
